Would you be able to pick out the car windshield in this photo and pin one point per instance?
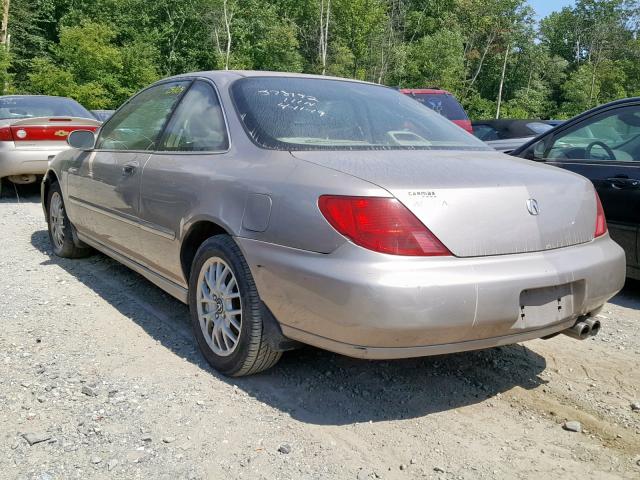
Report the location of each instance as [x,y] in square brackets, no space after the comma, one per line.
[286,113]
[442,103]
[34,106]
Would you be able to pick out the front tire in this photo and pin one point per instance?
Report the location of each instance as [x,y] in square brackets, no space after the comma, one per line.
[60,228]
[226,311]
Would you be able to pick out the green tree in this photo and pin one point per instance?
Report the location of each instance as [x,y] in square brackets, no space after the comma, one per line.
[88,66]
[437,60]
[358,27]
[488,52]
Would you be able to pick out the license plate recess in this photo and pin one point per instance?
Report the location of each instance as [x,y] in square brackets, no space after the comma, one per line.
[547,305]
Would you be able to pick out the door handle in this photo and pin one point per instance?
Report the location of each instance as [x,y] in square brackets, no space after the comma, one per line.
[623,182]
[129,168]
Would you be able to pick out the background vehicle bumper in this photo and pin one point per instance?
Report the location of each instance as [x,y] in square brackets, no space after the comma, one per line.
[23,161]
[365,304]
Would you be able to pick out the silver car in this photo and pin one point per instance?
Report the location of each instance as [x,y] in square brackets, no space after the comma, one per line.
[33,129]
[288,209]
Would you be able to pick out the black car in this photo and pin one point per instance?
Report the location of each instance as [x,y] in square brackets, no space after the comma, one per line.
[602,144]
[507,128]
[506,135]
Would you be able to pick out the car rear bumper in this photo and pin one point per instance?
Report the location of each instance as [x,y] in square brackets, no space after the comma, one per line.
[15,161]
[369,305]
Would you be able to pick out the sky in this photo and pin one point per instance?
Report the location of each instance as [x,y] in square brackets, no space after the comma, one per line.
[545,7]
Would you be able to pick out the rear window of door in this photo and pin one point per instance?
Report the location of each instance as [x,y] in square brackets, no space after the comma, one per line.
[198,123]
[137,125]
[610,136]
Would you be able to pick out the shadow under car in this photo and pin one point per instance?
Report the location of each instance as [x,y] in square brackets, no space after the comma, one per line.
[312,385]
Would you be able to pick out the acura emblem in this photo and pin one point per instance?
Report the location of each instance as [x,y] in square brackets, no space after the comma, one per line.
[532,206]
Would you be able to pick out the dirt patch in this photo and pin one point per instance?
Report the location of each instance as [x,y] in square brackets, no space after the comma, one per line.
[100,367]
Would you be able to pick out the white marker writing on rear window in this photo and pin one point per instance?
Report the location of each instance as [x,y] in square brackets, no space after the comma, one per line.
[295,101]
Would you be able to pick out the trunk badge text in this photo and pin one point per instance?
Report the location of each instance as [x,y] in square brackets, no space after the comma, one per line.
[422,193]
[532,206]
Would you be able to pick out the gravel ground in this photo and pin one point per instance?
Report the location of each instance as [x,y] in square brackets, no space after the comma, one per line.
[99,371]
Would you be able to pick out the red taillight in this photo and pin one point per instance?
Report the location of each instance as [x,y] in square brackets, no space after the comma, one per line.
[380,224]
[5,134]
[601,221]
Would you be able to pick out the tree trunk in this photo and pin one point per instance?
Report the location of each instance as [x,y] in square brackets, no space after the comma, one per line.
[227,25]
[324,34]
[172,47]
[216,39]
[592,89]
[480,63]
[5,22]
[384,59]
[504,71]
[595,58]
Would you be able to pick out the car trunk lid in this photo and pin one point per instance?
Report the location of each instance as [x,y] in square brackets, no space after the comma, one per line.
[43,132]
[478,203]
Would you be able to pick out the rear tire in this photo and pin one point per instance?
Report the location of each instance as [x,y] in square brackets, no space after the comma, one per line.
[61,234]
[226,310]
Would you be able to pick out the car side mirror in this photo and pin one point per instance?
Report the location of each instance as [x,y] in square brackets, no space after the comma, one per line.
[536,151]
[82,139]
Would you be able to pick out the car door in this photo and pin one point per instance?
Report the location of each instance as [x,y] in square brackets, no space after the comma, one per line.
[104,188]
[605,148]
[179,174]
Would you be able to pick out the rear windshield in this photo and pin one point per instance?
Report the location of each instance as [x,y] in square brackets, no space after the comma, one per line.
[443,103]
[538,127]
[33,106]
[316,114]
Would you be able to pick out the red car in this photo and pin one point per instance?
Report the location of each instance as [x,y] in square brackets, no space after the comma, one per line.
[442,102]
[33,129]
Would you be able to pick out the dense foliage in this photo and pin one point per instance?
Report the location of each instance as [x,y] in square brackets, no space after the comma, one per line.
[492,54]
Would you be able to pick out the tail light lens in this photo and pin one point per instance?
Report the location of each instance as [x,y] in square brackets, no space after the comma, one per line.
[380,224]
[5,134]
[601,221]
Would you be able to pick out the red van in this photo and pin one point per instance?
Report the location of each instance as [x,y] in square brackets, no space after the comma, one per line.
[442,102]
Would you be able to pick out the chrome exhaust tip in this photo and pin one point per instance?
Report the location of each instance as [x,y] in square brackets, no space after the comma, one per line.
[580,330]
[594,325]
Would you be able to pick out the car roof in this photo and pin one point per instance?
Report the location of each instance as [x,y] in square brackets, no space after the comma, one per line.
[39,96]
[232,74]
[425,91]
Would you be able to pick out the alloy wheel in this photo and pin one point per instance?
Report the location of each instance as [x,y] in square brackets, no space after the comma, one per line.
[56,218]
[219,306]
